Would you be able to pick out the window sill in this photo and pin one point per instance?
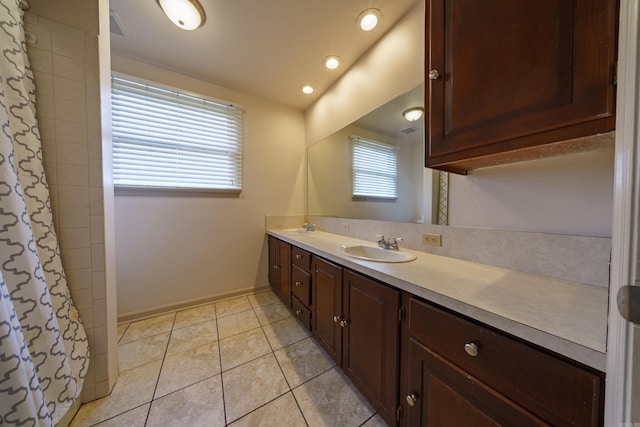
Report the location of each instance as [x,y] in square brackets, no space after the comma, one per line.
[175,192]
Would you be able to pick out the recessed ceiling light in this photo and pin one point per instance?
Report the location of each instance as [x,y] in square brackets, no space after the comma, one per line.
[368,19]
[331,62]
[413,114]
[307,89]
[186,14]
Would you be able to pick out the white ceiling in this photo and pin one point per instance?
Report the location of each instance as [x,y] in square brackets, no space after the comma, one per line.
[268,48]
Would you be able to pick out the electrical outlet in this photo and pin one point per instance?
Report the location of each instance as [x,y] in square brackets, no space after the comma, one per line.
[344,226]
[430,239]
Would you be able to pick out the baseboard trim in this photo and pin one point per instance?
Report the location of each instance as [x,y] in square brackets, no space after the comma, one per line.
[143,314]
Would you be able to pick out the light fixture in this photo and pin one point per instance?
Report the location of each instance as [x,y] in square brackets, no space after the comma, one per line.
[368,19]
[331,62]
[413,114]
[186,14]
[308,89]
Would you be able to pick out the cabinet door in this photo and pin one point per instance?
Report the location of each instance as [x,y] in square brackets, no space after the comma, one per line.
[280,269]
[506,75]
[327,307]
[442,395]
[371,333]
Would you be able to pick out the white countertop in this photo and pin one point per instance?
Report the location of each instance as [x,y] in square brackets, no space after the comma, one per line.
[566,317]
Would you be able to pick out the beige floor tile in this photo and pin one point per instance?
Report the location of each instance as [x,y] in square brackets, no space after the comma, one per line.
[272,313]
[283,411]
[199,405]
[133,418]
[375,421]
[193,336]
[242,348]
[121,329]
[142,351]
[232,306]
[302,361]
[263,298]
[133,388]
[331,400]
[194,315]
[285,332]
[189,367]
[148,327]
[237,323]
[251,385]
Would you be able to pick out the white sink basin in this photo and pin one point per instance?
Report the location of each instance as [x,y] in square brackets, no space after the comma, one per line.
[298,232]
[375,253]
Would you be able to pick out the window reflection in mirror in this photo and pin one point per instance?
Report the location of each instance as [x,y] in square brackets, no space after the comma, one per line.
[421,192]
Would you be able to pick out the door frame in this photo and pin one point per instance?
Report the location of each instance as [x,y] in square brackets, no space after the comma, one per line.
[622,402]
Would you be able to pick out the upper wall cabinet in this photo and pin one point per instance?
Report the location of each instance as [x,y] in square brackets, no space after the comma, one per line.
[511,80]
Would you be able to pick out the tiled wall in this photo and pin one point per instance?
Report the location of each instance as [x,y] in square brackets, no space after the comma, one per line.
[65,65]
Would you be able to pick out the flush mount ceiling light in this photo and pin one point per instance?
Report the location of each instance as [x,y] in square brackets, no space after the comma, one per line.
[413,114]
[186,14]
[308,89]
[368,19]
[331,62]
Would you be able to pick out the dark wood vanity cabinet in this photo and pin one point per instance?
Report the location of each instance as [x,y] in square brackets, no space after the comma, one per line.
[457,372]
[419,364]
[509,80]
[356,321]
[301,285]
[280,269]
[327,307]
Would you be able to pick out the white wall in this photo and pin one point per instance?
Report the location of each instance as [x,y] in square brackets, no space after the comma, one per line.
[570,194]
[172,250]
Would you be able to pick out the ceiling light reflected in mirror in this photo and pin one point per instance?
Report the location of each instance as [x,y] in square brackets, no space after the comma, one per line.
[413,114]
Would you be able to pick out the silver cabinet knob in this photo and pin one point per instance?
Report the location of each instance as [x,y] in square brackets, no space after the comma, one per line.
[343,323]
[298,312]
[298,283]
[471,348]
[298,256]
[276,267]
[434,75]
[412,399]
[336,319]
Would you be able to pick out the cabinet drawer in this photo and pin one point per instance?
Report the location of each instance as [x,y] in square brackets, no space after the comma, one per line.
[301,285]
[301,312]
[559,392]
[301,258]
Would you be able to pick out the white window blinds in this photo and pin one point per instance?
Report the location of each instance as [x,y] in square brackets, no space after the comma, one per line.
[166,139]
[374,169]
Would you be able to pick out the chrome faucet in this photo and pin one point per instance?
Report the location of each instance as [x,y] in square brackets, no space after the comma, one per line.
[309,227]
[391,244]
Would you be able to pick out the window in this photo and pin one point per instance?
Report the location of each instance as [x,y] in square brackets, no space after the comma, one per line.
[171,140]
[374,169]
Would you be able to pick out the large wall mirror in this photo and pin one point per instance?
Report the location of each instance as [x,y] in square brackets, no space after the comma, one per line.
[421,193]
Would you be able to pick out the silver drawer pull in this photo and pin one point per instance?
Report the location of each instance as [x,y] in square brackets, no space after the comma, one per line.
[298,312]
[298,256]
[276,267]
[412,399]
[471,348]
[336,319]
[298,283]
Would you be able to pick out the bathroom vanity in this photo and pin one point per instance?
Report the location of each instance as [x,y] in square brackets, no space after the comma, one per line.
[441,341]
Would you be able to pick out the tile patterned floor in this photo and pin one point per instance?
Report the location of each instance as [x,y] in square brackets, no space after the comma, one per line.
[240,362]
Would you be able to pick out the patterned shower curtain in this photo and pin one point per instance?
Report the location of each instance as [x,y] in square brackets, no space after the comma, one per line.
[44,353]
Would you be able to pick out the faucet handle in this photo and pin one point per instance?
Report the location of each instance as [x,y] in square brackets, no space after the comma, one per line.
[398,239]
